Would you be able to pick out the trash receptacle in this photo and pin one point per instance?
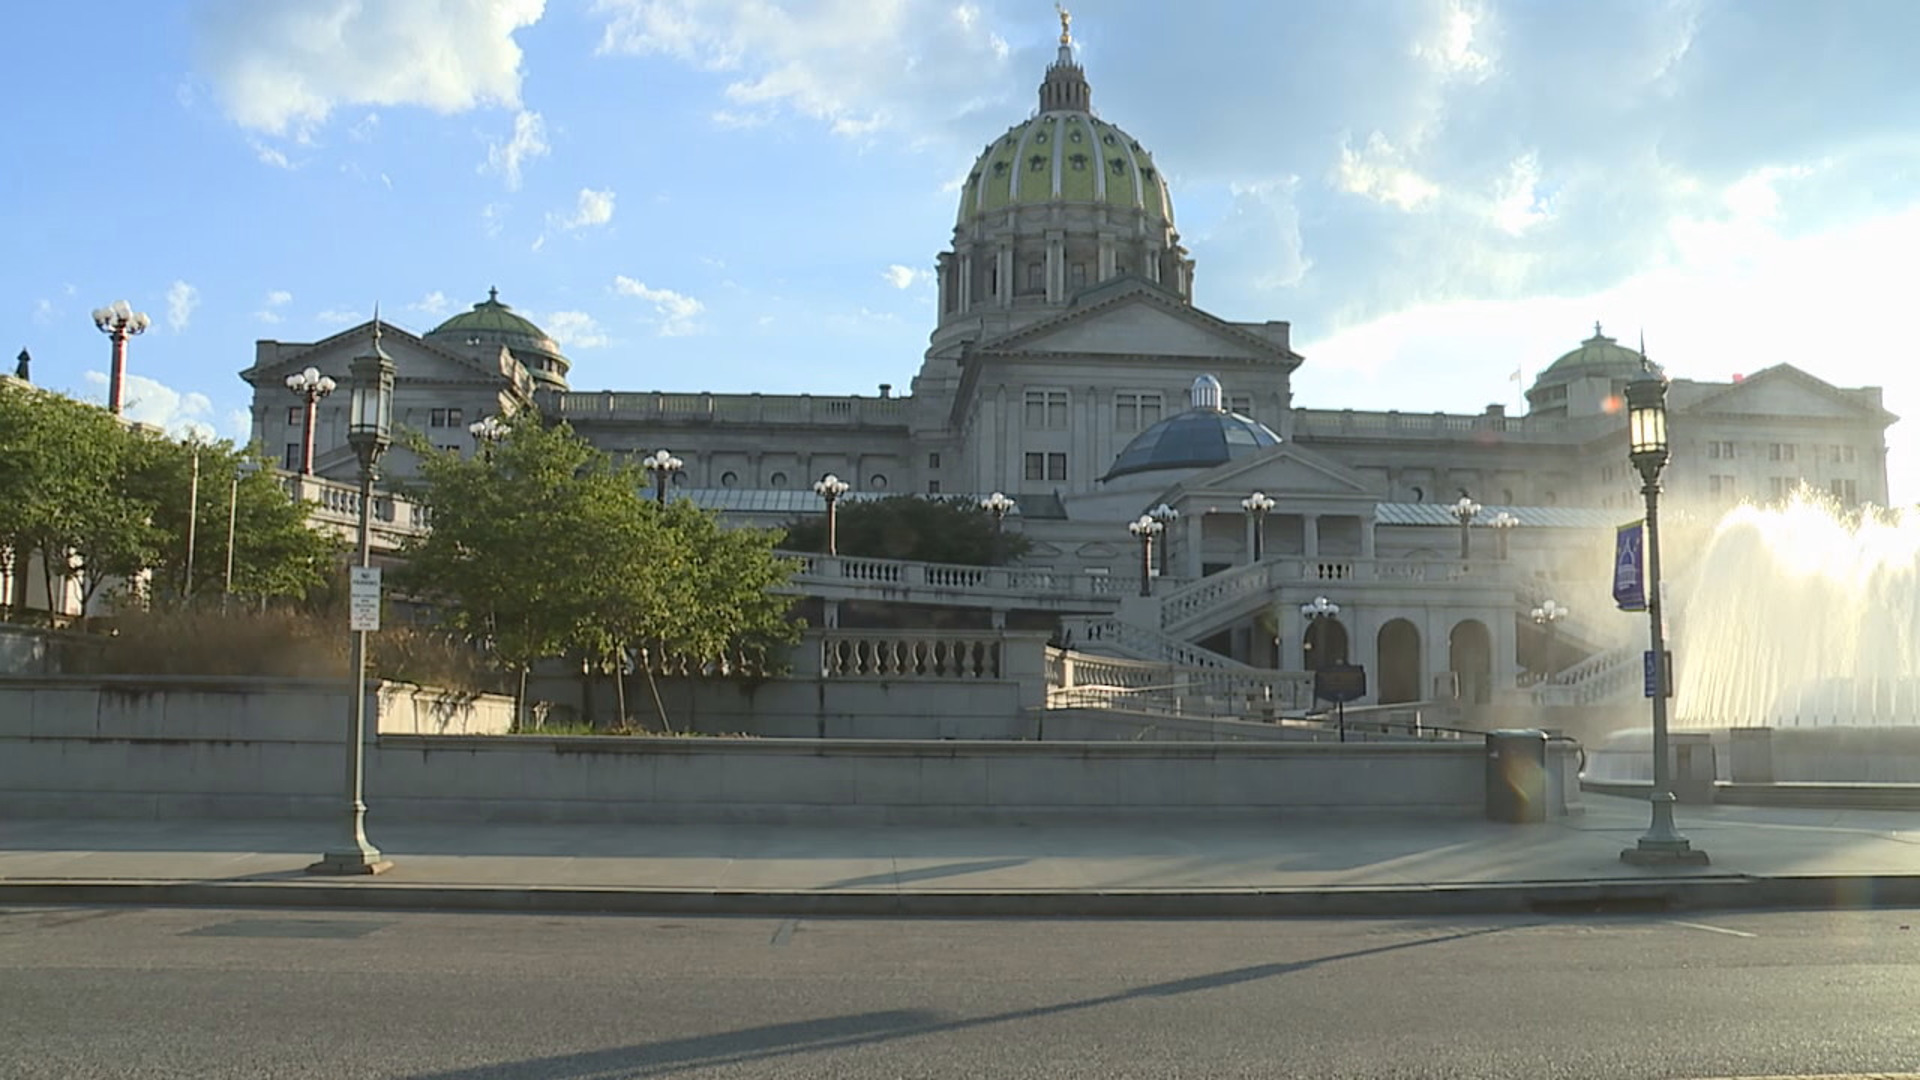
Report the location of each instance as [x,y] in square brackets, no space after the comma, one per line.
[1517,776]
[1693,766]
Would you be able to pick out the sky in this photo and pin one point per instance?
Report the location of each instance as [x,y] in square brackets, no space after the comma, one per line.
[748,195]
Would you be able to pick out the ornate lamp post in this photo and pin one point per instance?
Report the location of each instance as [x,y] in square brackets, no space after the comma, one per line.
[1146,529]
[369,432]
[1315,612]
[1464,512]
[309,386]
[119,321]
[1166,516]
[1648,449]
[662,465]
[1547,616]
[487,431]
[1256,505]
[830,488]
[999,505]
[1502,524]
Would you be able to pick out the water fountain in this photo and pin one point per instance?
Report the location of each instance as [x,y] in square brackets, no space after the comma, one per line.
[1796,647]
[1795,616]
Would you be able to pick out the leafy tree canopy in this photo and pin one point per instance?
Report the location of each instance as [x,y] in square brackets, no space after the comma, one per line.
[542,545]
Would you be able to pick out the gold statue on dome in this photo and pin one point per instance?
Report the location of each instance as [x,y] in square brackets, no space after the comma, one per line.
[1066,24]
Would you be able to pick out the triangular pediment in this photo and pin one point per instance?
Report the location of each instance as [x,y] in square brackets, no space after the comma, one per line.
[1786,391]
[1284,472]
[414,359]
[1140,321]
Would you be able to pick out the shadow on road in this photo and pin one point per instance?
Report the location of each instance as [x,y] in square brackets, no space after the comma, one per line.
[867,1029]
[925,873]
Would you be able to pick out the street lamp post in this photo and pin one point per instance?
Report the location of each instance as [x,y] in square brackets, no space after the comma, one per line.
[309,386]
[662,465]
[119,321]
[1502,523]
[247,467]
[369,432]
[1547,616]
[1146,529]
[1314,611]
[488,431]
[193,519]
[830,488]
[1256,505]
[1166,516]
[1464,512]
[1648,449]
[999,505]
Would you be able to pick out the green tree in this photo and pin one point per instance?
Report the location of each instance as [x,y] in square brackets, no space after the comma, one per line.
[543,547]
[946,530]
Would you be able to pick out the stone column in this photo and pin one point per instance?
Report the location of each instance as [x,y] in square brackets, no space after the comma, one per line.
[1192,534]
[1056,268]
[1310,531]
[1004,260]
[966,282]
[1366,536]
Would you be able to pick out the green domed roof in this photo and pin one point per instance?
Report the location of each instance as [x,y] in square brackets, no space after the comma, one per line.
[495,320]
[1064,153]
[1597,355]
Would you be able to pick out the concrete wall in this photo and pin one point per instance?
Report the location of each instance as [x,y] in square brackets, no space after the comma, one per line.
[815,708]
[211,748]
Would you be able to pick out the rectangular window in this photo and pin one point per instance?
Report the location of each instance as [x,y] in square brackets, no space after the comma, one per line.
[1849,451]
[297,416]
[1077,274]
[454,418]
[1845,491]
[933,461]
[1240,403]
[1045,466]
[1779,486]
[1036,276]
[1780,452]
[1133,411]
[1719,450]
[437,418]
[933,487]
[1720,486]
[292,460]
[1047,409]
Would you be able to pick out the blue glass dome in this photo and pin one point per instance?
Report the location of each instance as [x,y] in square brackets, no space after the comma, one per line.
[1197,438]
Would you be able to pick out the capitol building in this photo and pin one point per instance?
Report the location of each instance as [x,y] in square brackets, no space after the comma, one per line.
[1072,367]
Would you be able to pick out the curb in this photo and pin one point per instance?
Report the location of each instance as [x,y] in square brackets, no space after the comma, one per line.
[1610,896]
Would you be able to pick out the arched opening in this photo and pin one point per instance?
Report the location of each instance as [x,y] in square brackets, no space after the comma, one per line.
[1399,663]
[1470,657]
[1324,644]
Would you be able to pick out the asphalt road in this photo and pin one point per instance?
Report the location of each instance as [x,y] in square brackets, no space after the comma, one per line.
[125,992]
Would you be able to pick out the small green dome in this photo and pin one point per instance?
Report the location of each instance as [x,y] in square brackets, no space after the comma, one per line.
[494,323]
[1598,355]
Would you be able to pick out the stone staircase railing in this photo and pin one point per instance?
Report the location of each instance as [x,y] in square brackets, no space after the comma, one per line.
[1080,680]
[1198,607]
[1146,643]
[885,578]
[1604,677]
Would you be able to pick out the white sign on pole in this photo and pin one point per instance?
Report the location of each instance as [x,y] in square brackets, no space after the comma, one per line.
[363,599]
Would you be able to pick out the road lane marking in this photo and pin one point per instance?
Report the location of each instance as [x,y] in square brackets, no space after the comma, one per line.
[1714,930]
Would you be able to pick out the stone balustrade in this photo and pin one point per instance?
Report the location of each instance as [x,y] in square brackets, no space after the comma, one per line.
[755,409]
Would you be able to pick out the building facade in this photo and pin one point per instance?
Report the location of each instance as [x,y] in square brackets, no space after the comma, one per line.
[1070,367]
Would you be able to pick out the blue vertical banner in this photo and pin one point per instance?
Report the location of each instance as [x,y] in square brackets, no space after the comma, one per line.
[1629,567]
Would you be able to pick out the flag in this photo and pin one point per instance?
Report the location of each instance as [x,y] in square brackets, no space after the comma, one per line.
[1629,579]
[1515,377]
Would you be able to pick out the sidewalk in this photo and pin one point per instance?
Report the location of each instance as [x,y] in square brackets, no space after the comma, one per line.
[1762,857]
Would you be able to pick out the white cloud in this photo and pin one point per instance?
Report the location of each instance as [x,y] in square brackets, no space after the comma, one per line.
[276,299]
[338,317]
[267,155]
[182,298]
[902,277]
[43,312]
[575,330]
[285,66]
[176,412]
[1379,171]
[434,303]
[1453,49]
[529,141]
[856,67]
[1517,202]
[678,313]
[491,216]
[591,209]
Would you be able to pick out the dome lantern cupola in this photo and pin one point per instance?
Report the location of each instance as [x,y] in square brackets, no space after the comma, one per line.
[1065,88]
